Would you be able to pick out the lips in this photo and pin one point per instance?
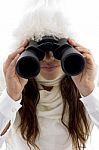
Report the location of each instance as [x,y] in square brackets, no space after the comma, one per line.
[49,66]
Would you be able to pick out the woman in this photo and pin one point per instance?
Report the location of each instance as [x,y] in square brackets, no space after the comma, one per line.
[52,111]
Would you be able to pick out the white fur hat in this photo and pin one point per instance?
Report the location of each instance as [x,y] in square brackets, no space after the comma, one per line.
[42,21]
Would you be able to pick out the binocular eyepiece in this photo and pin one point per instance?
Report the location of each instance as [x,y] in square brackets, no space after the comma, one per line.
[28,64]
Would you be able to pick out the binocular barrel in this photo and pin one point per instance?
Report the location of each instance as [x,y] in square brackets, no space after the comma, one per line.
[72,62]
[28,64]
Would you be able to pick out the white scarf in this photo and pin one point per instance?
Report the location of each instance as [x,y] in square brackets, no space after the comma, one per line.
[55,82]
[50,104]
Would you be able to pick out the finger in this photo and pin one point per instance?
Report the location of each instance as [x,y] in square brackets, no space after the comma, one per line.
[89,59]
[11,57]
[19,50]
[82,50]
[73,42]
[11,69]
[24,43]
[77,46]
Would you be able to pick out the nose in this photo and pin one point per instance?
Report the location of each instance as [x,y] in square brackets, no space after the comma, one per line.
[49,56]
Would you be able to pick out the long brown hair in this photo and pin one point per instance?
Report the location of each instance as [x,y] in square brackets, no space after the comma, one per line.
[78,125]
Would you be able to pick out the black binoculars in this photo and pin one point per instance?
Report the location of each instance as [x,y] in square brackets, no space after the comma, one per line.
[28,64]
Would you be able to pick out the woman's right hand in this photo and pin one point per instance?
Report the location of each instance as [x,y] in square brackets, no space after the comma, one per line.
[14,83]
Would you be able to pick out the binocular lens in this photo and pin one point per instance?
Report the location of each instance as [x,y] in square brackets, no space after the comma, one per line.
[27,66]
[73,64]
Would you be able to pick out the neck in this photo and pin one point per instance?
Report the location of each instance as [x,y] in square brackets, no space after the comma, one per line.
[49,83]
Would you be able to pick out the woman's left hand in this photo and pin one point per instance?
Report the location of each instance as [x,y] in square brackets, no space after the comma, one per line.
[85,80]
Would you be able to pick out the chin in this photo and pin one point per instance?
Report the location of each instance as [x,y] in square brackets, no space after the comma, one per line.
[49,76]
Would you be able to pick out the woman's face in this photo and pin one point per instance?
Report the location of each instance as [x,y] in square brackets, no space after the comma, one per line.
[50,67]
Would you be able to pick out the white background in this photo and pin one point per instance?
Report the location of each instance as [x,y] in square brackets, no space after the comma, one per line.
[84,15]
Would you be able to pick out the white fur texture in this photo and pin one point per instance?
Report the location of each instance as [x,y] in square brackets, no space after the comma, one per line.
[42,21]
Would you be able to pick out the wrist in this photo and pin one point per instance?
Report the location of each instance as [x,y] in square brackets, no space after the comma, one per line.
[87,90]
[14,97]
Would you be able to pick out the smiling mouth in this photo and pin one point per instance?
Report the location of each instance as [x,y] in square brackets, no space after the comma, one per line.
[50,66]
